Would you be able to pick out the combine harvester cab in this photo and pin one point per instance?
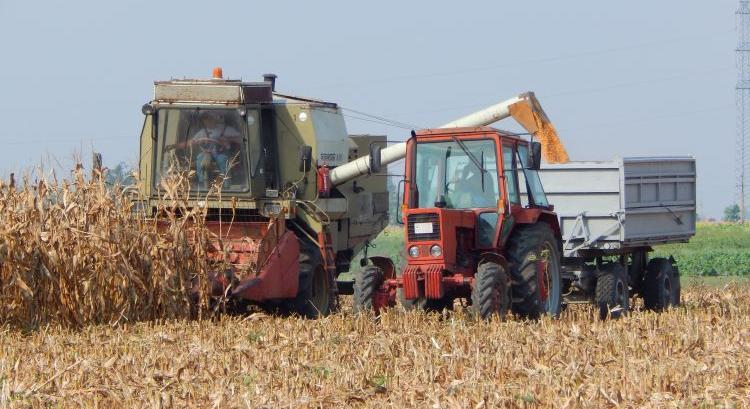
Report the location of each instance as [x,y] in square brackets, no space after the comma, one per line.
[258,164]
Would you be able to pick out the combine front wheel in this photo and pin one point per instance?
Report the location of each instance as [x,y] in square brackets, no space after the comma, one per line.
[490,295]
[314,296]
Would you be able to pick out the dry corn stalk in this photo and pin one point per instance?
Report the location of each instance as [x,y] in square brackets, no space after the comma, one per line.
[73,252]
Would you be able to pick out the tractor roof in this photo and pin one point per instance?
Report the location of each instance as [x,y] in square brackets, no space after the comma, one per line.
[436,132]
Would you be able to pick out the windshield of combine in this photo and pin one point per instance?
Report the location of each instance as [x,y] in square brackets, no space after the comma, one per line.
[207,144]
[457,174]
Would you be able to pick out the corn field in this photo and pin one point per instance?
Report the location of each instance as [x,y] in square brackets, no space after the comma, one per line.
[695,356]
[73,252]
[95,313]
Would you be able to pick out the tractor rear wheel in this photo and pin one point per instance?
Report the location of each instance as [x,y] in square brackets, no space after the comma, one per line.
[661,285]
[490,295]
[536,291]
[314,296]
[612,296]
[366,286]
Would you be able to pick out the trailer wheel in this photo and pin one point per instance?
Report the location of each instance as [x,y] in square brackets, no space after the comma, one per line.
[490,295]
[314,296]
[661,285]
[366,287]
[612,296]
[535,292]
[677,288]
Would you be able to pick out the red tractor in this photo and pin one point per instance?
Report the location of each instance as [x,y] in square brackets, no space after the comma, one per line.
[478,226]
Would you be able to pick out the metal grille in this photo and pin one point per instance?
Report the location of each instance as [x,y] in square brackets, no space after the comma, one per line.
[423,218]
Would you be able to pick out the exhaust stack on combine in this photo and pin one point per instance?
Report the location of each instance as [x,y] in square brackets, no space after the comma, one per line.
[524,108]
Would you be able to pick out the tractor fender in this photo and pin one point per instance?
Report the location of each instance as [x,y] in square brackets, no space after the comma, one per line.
[385,264]
[494,258]
[551,219]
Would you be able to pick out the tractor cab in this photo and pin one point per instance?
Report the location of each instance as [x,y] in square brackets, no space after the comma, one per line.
[462,185]
[475,215]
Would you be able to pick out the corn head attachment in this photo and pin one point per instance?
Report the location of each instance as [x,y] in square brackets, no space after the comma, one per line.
[256,261]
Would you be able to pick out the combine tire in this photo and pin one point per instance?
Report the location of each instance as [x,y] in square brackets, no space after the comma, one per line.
[491,293]
[535,294]
[366,287]
[314,296]
[612,296]
[661,285]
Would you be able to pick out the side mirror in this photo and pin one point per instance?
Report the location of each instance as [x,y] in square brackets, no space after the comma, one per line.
[305,158]
[535,156]
[147,109]
[375,159]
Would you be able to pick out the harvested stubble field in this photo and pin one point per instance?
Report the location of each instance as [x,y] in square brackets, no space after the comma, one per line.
[95,313]
[694,356]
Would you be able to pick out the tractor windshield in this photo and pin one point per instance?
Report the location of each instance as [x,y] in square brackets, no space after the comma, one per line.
[207,145]
[460,174]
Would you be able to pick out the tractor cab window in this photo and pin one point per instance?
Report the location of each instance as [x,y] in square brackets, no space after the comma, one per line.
[511,180]
[460,174]
[208,146]
[528,180]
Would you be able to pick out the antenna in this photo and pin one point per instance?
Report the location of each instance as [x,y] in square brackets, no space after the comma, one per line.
[743,102]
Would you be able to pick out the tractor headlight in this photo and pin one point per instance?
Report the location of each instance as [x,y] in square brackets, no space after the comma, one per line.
[414,251]
[436,251]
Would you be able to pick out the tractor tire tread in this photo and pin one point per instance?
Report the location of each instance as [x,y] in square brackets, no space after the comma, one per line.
[526,240]
[489,276]
[366,287]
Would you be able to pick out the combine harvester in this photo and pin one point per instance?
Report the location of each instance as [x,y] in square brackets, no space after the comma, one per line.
[286,230]
[481,223]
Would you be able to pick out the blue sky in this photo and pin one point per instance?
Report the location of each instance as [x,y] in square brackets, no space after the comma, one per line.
[617,78]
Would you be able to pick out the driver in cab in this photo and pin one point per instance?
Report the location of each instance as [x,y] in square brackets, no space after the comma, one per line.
[472,190]
[214,140]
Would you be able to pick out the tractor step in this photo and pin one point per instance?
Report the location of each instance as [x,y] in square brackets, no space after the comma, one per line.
[345,283]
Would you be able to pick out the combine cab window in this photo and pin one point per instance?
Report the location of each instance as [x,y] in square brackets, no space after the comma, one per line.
[207,145]
[457,175]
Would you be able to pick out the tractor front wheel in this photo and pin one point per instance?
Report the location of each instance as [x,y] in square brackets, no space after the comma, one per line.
[366,286]
[490,295]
